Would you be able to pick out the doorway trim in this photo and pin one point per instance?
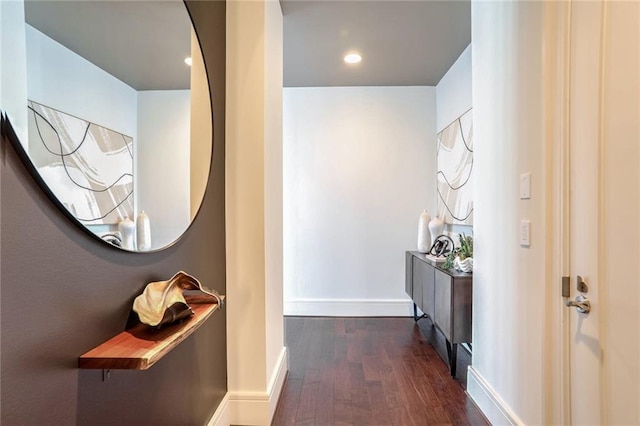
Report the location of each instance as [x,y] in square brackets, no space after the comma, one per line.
[557,72]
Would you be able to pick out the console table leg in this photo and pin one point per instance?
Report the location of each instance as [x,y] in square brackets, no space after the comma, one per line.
[454,359]
[452,356]
[416,318]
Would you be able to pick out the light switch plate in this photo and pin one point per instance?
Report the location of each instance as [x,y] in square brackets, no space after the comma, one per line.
[525,186]
[525,233]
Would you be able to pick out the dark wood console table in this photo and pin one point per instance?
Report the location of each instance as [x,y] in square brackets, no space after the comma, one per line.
[444,296]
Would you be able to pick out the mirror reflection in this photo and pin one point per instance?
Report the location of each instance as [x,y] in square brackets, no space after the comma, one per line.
[119,118]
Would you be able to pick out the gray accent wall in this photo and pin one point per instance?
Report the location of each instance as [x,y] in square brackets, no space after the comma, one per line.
[62,293]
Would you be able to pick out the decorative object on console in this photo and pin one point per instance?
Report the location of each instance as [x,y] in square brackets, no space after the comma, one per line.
[143,232]
[461,259]
[435,227]
[442,246]
[465,265]
[455,167]
[164,302]
[424,240]
[127,230]
[436,259]
[88,167]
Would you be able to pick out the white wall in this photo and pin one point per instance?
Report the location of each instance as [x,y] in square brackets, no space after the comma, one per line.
[359,167]
[163,190]
[509,280]
[61,79]
[256,357]
[453,91]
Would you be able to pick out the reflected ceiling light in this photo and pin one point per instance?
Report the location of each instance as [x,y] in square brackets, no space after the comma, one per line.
[352,58]
[187,61]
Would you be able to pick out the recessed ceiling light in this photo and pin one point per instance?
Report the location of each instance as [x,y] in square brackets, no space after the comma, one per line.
[352,58]
[187,61]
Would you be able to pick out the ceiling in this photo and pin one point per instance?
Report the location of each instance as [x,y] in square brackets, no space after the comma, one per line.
[142,43]
[402,43]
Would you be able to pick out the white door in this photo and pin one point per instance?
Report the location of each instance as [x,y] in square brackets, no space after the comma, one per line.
[604,210]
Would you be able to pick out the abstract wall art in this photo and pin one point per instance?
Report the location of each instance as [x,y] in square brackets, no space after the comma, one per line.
[455,171]
[88,167]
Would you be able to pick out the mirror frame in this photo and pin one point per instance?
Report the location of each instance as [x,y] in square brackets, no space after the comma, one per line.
[7,132]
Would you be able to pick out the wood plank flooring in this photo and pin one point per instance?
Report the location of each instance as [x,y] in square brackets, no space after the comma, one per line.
[369,371]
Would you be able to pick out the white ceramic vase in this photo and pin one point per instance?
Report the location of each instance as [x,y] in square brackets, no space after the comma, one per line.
[436,226]
[128,233]
[463,265]
[424,240]
[143,232]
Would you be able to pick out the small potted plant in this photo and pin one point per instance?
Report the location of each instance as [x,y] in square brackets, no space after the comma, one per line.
[461,258]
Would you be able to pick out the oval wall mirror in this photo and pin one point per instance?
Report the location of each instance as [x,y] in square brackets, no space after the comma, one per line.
[119,116]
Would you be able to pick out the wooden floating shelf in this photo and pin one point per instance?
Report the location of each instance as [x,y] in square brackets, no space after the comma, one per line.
[142,346]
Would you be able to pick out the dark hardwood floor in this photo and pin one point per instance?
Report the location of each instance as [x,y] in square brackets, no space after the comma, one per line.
[371,371]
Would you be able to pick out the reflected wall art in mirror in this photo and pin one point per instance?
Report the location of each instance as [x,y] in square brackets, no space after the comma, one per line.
[118,123]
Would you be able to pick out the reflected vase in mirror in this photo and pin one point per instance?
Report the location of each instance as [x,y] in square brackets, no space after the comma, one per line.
[127,230]
[143,232]
[111,110]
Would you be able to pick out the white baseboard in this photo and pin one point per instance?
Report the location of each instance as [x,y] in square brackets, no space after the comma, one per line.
[277,381]
[253,408]
[491,404]
[349,307]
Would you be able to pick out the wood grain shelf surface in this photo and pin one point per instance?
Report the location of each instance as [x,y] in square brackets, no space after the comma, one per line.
[142,346]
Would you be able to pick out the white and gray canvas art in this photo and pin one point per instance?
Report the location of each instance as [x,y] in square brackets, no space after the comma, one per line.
[88,167]
[455,171]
